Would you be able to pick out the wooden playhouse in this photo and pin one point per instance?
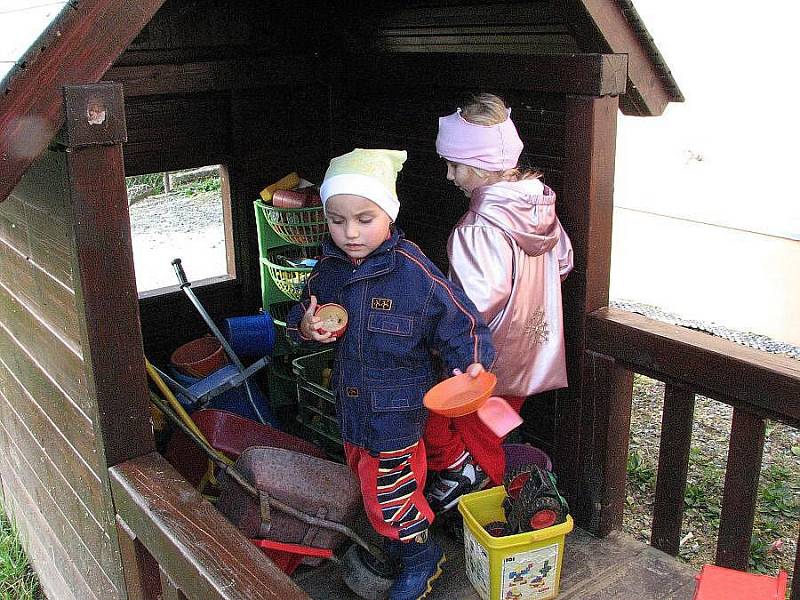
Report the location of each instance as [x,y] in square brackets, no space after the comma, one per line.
[264,89]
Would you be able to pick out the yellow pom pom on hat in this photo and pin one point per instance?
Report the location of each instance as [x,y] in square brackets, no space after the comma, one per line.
[367,172]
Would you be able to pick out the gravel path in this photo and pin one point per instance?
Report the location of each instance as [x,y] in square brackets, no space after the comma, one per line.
[169,226]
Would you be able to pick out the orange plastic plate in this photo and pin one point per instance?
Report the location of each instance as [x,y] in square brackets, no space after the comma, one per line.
[460,395]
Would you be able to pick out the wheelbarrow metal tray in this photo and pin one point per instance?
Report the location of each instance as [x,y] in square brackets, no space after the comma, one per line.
[316,486]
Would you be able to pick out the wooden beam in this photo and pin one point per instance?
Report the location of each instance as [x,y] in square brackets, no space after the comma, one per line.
[583,74]
[79,49]
[585,207]
[763,382]
[646,94]
[203,553]
[187,78]
[106,286]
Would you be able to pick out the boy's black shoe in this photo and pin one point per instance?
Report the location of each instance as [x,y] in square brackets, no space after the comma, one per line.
[447,486]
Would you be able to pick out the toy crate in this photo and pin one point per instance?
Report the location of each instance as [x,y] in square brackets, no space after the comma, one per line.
[289,279]
[298,226]
[316,403]
[524,565]
[720,583]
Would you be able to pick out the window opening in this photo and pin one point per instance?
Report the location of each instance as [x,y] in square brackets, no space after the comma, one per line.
[180,214]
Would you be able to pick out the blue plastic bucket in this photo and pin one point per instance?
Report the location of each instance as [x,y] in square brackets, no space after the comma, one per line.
[251,336]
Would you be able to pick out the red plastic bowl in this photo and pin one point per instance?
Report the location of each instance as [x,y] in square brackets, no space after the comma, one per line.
[333,318]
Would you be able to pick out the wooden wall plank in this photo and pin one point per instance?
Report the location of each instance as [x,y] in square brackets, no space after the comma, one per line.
[48,558]
[59,359]
[20,378]
[93,575]
[582,74]
[79,490]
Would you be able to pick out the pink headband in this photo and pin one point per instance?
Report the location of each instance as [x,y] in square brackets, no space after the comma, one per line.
[489,147]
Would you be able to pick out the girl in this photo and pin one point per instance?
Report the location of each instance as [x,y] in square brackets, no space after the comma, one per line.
[510,254]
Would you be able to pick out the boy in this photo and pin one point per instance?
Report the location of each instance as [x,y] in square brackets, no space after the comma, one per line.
[400,307]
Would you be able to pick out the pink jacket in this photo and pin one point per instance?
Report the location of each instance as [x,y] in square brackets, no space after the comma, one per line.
[509,252]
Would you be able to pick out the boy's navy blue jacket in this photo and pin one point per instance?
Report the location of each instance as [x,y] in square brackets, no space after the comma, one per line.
[400,307]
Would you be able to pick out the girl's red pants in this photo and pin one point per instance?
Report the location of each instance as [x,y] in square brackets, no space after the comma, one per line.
[446,438]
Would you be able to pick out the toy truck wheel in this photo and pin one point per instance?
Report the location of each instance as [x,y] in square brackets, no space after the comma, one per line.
[541,513]
[497,528]
[516,479]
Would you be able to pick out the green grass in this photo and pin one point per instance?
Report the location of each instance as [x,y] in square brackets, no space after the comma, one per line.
[17,580]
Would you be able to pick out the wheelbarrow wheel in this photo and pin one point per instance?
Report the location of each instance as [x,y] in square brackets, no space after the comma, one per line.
[366,575]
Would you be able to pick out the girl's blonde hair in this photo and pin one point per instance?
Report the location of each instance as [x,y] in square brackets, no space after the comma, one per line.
[488,109]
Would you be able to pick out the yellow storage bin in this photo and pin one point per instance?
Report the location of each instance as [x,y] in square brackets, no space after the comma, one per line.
[525,566]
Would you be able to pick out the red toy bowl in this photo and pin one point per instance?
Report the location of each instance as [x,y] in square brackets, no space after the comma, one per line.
[289,199]
[460,395]
[333,318]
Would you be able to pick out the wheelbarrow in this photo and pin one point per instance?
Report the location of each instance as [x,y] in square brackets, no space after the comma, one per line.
[267,493]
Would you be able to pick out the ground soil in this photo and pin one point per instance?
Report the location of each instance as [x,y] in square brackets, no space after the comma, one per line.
[777,534]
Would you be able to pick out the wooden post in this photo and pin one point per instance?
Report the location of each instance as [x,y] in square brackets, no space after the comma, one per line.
[585,208]
[606,392]
[745,451]
[106,286]
[673,466]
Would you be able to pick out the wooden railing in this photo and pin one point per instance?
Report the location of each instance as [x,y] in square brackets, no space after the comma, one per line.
[175,545]
[756,384]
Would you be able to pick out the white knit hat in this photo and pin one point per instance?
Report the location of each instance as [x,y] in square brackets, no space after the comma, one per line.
[370,173]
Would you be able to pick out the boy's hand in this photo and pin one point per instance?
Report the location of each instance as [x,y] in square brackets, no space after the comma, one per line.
[309,325]
[473,370]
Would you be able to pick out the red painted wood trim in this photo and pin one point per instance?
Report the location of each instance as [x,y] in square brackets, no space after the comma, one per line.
[83,45]
[646,91]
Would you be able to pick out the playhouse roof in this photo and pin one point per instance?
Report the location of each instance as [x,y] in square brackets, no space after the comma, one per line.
[58,42]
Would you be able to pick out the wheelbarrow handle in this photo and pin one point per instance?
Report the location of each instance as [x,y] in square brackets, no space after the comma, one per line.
[176,264]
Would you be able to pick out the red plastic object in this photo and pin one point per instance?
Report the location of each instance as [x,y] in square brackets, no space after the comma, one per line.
[231,434]
[289,199]
[720,583]
[333,318]
[499,416]
[460,395]
[200,357]
[289,556]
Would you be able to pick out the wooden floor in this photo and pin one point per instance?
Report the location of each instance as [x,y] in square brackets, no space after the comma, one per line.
[593,569]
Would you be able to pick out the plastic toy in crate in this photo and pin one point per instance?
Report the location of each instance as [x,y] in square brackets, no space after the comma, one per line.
[522,565]
[316,403]
[299,226]
[290,267]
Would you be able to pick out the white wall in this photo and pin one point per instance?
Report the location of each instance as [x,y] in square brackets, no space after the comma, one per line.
[726,158]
